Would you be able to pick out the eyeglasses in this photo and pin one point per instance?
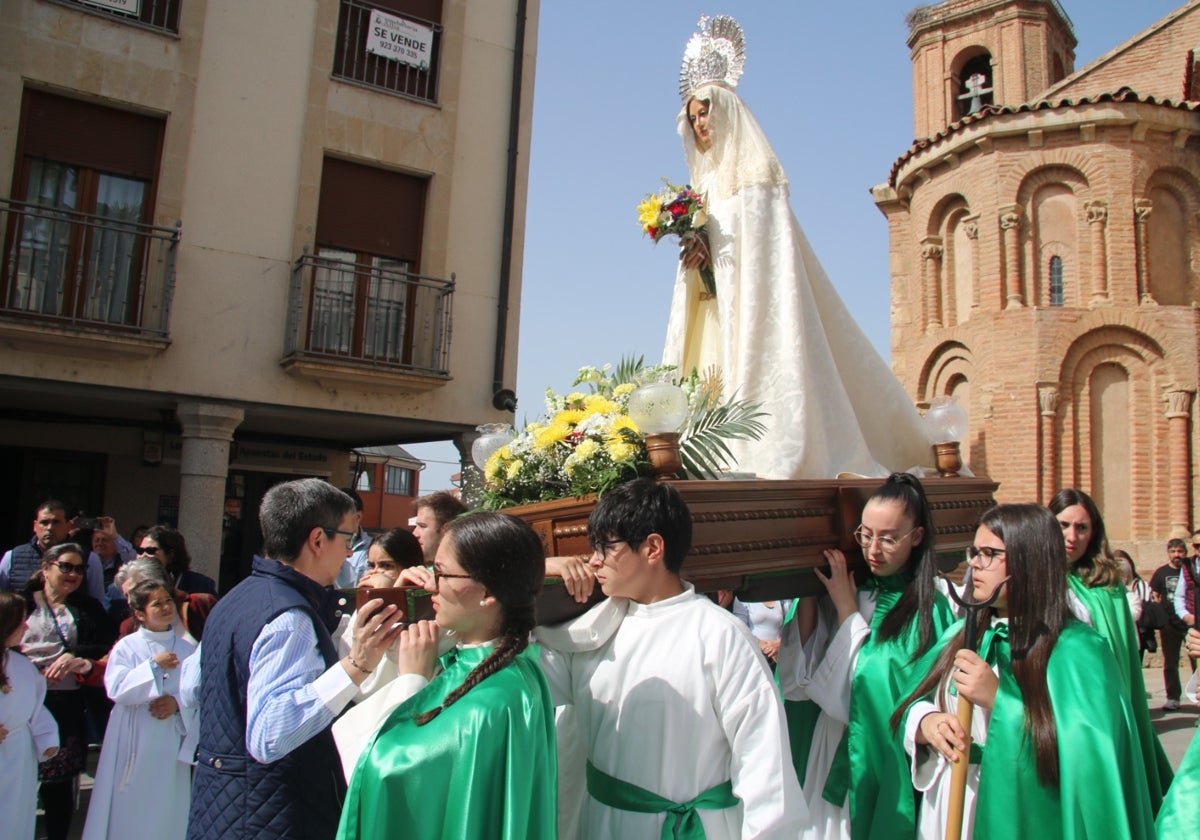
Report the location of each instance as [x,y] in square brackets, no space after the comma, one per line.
[149,550]
[886,543]
[601,547]
[984,557]
[349,535]
[69,568]
[438,575]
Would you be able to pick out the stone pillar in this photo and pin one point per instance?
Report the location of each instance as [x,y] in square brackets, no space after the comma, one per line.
[971,229]
[1010,224]
[1048,406]
[1179,412]
[931,272]
[204,466]
[1141,214]
[1097,217]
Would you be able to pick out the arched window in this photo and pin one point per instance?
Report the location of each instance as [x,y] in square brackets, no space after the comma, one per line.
[974,86]
[1057,296]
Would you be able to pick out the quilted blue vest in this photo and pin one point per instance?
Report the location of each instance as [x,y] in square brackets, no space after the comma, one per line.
[26,559]
[234,796]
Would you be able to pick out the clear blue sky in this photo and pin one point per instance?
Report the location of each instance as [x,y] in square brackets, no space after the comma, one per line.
[831,84]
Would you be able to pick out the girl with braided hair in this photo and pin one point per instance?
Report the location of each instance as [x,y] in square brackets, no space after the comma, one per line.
[469,752]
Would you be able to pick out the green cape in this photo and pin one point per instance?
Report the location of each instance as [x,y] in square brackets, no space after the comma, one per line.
[1101,791]
[1112,619]
[870,765]
[1180,813]
[484,767]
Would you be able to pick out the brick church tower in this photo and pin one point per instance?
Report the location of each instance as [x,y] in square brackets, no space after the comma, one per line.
[1045,254]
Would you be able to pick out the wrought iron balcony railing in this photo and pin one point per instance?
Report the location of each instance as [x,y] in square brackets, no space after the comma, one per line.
[156,15]
[61,267]
[354,62]
[365,314]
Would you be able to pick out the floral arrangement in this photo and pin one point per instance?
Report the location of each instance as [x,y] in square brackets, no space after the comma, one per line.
[587,443]
[677,211]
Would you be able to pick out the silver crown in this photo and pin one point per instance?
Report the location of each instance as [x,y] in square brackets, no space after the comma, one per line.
[714,55]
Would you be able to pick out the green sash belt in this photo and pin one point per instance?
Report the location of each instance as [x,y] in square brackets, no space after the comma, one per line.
[685,824]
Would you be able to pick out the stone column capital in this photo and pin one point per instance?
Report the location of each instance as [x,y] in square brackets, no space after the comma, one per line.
[1097,212]
[209,420]
[1142,208]
[1010,216]
[1048,400]
[1179,403]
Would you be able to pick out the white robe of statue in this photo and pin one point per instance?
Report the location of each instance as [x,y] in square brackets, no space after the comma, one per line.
[143,781]
[674,697]
[777,329]
[31,731]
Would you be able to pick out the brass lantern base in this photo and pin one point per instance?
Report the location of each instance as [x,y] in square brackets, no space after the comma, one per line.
[662,448]
[948,457]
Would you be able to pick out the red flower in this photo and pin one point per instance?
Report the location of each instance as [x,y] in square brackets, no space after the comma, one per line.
[653,234]
[677,209]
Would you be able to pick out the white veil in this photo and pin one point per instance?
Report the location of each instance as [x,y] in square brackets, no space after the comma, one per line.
[740,153]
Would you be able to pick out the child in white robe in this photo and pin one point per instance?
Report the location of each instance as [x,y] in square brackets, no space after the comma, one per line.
[28,733]
[681,719]
[143,781]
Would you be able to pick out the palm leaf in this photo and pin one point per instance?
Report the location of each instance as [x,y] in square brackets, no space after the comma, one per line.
[703,441]
[628,370]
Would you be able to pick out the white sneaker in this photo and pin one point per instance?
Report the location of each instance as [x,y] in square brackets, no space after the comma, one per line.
[1170,705]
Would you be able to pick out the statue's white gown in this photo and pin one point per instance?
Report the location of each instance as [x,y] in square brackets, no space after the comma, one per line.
[777,329]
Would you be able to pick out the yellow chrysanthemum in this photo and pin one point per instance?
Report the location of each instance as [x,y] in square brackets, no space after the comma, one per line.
[514,469]
[648,211]
[621,451]
[576,397]
[555,433]
[586,449]
[596,404]
[568,417]
[624,421]
[623,389]
[494,462]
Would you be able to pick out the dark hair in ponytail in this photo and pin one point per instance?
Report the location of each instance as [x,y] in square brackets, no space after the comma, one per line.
[917,600]
[503,554]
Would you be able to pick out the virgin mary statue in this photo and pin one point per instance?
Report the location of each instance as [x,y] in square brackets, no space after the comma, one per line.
[776,328]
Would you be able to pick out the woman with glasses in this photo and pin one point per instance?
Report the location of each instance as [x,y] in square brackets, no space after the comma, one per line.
[67,632]
[1056,753]
[849,652]
[461,746]
[1096,594]
[167,546]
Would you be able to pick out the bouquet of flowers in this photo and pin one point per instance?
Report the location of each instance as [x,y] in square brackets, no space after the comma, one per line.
[587,443]
[679,211]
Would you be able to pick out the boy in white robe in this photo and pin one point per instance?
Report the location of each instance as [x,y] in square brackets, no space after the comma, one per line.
[678,711]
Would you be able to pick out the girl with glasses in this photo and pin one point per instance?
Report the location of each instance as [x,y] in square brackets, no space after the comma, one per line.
[67,632]
[1096,594]
[450,731]
[1056,754]
[849,652]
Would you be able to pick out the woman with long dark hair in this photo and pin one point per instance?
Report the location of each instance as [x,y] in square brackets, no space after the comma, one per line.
[849,653]
[469,752]
[1097,597]
[1057,755]
[66,633]
[167,546]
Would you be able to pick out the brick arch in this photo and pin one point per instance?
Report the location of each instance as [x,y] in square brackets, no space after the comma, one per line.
[1041,239]
[1121,339]
[945,207]
[1169,288]
[1141,458]
[945,363]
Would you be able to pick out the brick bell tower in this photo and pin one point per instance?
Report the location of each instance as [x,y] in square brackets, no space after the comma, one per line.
[970,53]
[1044,233]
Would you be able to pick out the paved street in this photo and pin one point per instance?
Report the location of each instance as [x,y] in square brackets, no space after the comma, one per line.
[1175,730]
